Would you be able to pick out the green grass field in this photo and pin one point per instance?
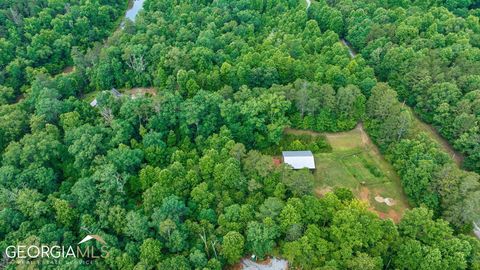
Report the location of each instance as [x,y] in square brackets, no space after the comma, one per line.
[355,163]
[89,97]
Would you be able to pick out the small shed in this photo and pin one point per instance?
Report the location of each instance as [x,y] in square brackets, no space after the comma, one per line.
[299,159]
[115,93]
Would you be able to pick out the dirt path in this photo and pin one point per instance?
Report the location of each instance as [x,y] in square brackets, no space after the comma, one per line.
[422,126]
[358,128]
[435,135]
[350,49]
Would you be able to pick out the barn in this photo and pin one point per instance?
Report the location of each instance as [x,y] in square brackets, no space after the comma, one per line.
[299,159]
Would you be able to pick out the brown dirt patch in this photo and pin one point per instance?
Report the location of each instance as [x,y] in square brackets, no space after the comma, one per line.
[265,262]
[277,161]
[68,69]
[364,194]
[392,214]
[237,266]
[322,191]
[141,91]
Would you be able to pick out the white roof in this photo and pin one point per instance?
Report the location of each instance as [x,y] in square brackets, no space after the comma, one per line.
[93,103]
[299,159]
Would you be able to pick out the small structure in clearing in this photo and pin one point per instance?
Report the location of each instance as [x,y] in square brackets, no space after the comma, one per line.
[113,91]
[269,264]
[299,159]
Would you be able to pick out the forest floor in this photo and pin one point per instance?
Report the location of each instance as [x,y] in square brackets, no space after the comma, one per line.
[356,163]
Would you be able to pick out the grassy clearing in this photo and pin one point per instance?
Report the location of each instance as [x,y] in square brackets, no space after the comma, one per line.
[89,97]
[356,163]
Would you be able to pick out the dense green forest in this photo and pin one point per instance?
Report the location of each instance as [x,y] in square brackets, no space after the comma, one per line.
[182,179]
[41,37]
[430,56]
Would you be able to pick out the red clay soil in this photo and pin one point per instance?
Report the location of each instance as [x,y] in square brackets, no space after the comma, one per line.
[364,194]
[143,91]
[277,161]
[394,215]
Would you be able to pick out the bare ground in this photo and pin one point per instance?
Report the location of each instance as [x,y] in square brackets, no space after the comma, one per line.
[68,69]
[142,91]
[322,191]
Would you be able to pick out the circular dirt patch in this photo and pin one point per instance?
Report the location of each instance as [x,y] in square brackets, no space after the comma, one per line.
[389,201]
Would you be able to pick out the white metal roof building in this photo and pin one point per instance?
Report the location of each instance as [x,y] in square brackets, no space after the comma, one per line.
[299,159]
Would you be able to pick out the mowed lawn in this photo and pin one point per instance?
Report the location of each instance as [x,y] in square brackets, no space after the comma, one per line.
[355,163]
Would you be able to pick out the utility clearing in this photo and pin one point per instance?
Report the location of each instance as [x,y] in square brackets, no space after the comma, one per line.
[356,163]
[420,126]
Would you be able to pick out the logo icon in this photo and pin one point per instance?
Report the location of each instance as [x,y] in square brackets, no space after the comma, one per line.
[93,236]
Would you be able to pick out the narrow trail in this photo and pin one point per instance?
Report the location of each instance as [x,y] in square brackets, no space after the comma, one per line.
[421,126]
[309,2]
[350,49]
[476,230]
[437,137]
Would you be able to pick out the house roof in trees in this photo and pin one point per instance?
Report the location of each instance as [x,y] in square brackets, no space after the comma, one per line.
[299,159]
